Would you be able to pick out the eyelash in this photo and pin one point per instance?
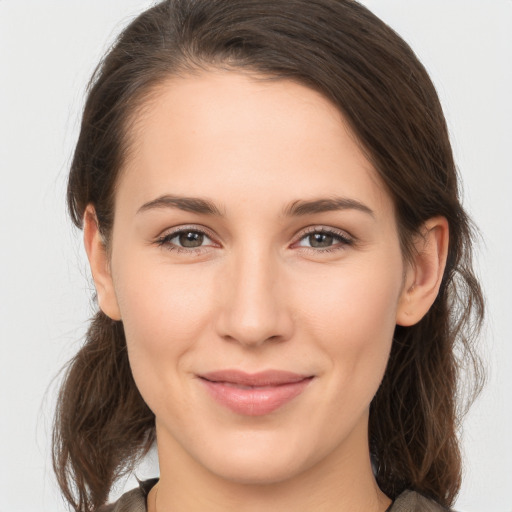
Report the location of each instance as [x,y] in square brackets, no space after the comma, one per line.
[165,240]
[341,238]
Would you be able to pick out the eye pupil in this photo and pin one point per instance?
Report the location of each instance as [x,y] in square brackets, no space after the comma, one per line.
[320,240]
[191,239]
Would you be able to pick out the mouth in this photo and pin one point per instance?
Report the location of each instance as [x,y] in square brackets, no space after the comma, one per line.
[254,394]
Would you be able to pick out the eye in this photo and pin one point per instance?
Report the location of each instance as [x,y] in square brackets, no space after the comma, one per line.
[323,239]
[189,239]
[185,240]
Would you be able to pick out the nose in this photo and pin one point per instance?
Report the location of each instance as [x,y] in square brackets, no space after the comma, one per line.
[254,306]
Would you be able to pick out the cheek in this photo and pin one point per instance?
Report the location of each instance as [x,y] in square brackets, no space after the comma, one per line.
[352,316]
[164,311]
[360,298]
[159,303]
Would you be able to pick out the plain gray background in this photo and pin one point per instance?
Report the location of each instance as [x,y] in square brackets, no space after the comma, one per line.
[48,49]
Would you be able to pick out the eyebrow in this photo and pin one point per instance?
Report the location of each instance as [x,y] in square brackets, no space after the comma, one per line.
[302,207]
[297,208]
[187,204]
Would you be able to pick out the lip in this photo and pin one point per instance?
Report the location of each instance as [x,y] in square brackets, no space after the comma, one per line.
[254,394]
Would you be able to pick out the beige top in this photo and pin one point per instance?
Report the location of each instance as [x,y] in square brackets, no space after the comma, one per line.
[135,501]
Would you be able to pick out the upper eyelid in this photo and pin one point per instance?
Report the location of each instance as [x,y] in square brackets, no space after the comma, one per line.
[204,229]
[324,229]
[181,229]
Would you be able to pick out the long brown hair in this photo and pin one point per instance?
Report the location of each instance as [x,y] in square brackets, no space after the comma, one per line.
[341,49]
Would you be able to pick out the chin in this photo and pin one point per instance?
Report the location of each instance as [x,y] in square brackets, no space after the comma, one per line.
[261,472]
[259,461]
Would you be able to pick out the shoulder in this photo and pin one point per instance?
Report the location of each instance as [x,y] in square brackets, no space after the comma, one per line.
[131,501]
[410,501]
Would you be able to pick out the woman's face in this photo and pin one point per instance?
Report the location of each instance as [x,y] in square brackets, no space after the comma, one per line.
[251,235]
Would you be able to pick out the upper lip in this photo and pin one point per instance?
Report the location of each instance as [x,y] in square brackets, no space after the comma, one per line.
[264,378]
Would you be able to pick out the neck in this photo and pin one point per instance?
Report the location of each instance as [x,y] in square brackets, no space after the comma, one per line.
[342,482]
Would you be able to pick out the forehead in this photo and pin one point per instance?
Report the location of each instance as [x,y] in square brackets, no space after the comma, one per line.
[276,138]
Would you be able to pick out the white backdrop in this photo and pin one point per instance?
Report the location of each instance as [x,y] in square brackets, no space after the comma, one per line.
[48,49]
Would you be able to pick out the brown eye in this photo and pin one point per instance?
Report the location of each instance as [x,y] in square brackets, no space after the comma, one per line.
[186,239]
[324,240]
[191,239]
[320,240]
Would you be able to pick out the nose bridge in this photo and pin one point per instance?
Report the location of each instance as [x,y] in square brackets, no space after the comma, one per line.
[255,309]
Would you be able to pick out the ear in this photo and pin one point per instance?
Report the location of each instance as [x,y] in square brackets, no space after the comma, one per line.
[425,272]
[100,265]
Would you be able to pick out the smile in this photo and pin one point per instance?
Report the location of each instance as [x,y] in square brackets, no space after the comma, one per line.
[254,394]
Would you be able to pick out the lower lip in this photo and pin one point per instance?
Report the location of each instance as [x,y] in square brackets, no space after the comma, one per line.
[256,401]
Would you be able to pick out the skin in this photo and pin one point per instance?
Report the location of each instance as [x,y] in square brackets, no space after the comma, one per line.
[258,293]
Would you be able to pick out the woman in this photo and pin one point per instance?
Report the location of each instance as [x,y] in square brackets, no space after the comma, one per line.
[282,266]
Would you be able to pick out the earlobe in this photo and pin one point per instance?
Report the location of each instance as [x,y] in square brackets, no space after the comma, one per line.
[424,273]
[99,263]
